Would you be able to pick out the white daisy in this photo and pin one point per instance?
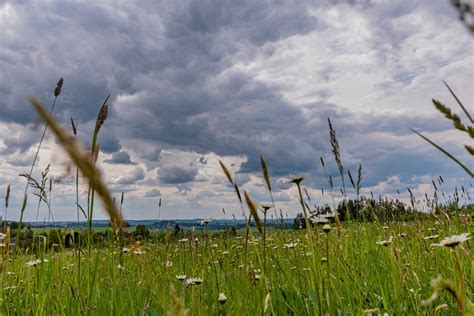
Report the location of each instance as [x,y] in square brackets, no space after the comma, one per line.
[290,245]
[319,220]
[453,241]
[385,242]
[193,281]
[207,221]
[222,298]
[327,228]
[33,263]
[189,282]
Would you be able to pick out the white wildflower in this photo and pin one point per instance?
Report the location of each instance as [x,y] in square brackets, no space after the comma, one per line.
[290,245]
[222,298]
[385,242]
[33,263]
[453,241]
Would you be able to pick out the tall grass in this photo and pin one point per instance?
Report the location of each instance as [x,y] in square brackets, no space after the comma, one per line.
[56,93]
[359,276]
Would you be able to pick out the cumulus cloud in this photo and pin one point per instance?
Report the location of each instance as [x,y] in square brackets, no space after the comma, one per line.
[177,174]
[152,193]
[132,177]
[120,157]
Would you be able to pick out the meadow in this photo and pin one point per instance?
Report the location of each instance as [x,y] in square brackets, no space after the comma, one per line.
[365,268]
[358,258]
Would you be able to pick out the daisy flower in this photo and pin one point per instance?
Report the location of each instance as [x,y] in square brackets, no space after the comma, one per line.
[330,215]
[327,228]
[189,282]
[222,298]
[296,180]
[207,221]
[33,263]
[290,245]
[453,241]
[385,242]
[193,281]
[319,220]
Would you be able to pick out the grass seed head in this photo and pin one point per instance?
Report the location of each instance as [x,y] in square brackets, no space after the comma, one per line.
[265,172]
[253,211]
[103,113]
[226,172]
[7,196]
[59,85]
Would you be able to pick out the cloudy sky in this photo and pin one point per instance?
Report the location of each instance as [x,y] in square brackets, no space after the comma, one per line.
[192,82]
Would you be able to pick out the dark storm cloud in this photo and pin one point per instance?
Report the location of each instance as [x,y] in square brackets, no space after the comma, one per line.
[177,174]
[120,157]
[225,122]
[170,68]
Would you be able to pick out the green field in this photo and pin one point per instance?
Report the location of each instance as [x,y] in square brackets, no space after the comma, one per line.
[293,272]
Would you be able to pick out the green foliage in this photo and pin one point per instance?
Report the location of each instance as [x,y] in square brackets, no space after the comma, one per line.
[141,232]
[55,238]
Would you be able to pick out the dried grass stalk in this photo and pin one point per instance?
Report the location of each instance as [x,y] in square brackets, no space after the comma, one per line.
[253,211]
[226,171]
[7,196]
[265,172]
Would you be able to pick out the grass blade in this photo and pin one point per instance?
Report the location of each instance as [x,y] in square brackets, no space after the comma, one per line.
[446,153]
[459,102]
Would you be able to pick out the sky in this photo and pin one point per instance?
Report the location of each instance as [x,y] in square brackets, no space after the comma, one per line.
[195,82]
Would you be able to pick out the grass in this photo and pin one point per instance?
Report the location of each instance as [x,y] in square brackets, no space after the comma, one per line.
[360,275]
